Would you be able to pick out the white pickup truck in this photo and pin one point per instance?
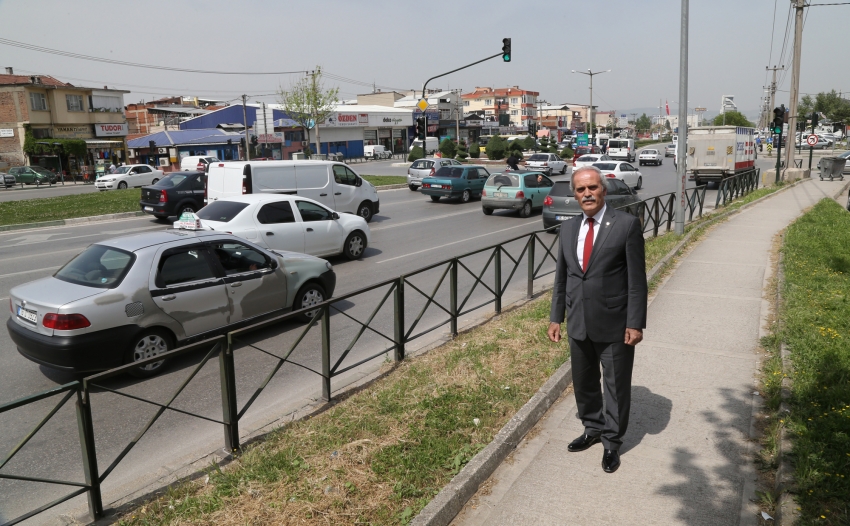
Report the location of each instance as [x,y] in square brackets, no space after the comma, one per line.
[136,175]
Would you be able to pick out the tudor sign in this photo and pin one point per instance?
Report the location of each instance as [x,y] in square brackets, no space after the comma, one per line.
[108,130]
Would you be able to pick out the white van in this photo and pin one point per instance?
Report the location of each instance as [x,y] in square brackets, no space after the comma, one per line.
[622,149]
[432,143]
[376,151]
[330,183]
[196,163]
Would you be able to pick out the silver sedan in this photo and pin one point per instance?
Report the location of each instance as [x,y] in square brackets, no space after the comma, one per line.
[135,297]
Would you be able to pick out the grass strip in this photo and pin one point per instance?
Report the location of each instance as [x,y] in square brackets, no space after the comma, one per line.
[69,206]
[815,325]
[383,180]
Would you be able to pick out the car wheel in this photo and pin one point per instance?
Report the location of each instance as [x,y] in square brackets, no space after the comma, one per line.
[660,163]
[640,163]
[365,211]
[563,170]
[526,209]
[154,181]
[549,172]
[186,209]
[639,183]
[466,196]
[412,187]
[435,198]
[161,217]
[309,295]
[355,245]
[122,185]
[487,211]
[147,345]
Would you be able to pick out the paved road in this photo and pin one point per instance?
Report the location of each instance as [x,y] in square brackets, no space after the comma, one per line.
[411,232]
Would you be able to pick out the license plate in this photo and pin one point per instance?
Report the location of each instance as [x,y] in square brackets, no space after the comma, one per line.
[436,186]
[709,164]
[29,315]
[561,218]
[500,194]
[148,209]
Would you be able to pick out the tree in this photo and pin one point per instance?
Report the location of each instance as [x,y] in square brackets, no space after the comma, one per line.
[415,153]
[835,108]
[515,148]
[474,150]
[644,123]
[496,148]
[461,151]
[567,154]
[308,103]
[805,107]
[544,144]
[529,143]
[448,148]
[733,118]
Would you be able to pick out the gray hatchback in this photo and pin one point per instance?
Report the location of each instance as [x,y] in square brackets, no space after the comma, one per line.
[561,203]
[135,297]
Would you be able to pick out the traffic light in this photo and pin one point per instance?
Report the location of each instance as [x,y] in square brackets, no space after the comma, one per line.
[506,49]
[254,140]
[814,120]
[152,146]
[420,128]
[778,119]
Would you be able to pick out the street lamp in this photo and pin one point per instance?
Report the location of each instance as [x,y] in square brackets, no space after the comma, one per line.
[590,110]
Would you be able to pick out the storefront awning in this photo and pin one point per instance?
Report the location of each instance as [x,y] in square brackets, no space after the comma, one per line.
[97,143]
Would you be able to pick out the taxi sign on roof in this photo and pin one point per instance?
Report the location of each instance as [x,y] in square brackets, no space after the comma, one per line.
[188,221]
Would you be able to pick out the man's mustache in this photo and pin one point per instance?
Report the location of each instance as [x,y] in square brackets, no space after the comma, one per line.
[588,199]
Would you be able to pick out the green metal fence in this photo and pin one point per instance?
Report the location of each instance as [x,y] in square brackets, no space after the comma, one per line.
[737,186]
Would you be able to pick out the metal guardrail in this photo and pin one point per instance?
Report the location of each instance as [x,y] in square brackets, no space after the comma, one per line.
[737,186]
[502,266]
[658,211]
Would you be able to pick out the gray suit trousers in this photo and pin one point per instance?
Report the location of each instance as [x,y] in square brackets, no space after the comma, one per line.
[609,422]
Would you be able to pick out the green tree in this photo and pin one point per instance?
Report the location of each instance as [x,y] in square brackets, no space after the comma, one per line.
[308,103]
[806,106]
[644,123]
[474,150]
[461,151]
[515,148]
[496,148]
[544,144]
[529,143]
[833,106]
[448,148]
[416,153]
[567,154]
[733,118]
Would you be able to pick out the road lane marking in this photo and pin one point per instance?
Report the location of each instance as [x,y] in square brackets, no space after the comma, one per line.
[53,253]
[454,243]
[29,271]
[106,232]
[89,223]
[420,221]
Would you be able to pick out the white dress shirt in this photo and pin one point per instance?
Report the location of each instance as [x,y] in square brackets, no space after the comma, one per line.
[582,232]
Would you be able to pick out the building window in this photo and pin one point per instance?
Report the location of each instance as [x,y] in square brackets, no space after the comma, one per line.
[38,101]
[41,133]
[106,103]
[514,100]
[488,101]
[75,102]
[514,112]
[488,112]
[466,103]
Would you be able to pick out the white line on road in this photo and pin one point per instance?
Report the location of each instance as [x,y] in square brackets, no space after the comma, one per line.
[52,253]
[454,242]
[420,221]
[28,271]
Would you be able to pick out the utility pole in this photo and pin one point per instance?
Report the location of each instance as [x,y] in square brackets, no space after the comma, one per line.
[245,123]
[795,81]
[266,130]
[315,119]
[682,146]
[634,120]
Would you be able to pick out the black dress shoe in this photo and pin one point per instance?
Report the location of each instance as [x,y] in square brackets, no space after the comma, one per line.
[610,460]
[581,443]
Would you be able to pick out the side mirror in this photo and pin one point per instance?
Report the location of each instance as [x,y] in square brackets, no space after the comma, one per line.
[274,264]
[359,182]
[334,216]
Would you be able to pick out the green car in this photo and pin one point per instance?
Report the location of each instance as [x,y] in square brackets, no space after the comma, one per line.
[33,175]
[455,182]
[521,191]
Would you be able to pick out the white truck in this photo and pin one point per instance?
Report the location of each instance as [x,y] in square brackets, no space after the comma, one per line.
[717,152]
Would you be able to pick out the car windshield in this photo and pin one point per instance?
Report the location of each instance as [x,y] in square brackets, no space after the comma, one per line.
[42,171]
[420,164]
[221,211]
[649,152]
[588,158]
[562,189]
[449,172]
[499,180]
[122,169]
[538,157]
[97,266]
[606,166]
[171,180]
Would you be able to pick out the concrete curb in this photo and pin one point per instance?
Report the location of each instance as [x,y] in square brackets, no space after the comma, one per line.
[71,221]
[391,186]
[454,496]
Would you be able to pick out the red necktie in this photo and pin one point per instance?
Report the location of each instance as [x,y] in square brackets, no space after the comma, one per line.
[588,244]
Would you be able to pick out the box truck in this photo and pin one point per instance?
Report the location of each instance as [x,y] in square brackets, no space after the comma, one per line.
[717,152]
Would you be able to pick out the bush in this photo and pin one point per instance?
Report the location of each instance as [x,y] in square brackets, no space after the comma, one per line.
[416,153]
[529,143]
[474,150]
[567,153]
[544,144]
[448,148]
[515,149]
[496,148]
[461,151]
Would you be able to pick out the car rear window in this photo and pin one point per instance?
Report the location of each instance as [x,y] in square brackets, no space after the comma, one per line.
[449,172]
[503,180]
[618,144]
[171,180]
[650,152]
[97,266]
[588,158]
[538,157]
[422,164]
[222,211]
[562,189]
[606,166]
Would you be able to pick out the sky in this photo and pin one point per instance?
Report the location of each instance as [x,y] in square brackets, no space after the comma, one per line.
[399,44]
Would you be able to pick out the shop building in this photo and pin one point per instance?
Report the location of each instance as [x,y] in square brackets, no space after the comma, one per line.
[354,126]
[166,149]
[71,129]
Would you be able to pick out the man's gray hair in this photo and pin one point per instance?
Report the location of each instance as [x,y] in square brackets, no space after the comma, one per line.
[587,168]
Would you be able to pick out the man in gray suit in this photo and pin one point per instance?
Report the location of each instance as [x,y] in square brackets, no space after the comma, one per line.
[600,282]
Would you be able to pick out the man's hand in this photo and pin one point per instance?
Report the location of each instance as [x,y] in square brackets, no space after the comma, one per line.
[633,336]
[555,331]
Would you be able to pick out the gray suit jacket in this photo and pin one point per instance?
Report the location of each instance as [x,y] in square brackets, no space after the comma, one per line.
[612,294]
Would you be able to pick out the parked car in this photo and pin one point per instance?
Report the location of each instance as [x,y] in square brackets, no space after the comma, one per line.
[197,163]
[623,171]
[561,203]
[650,157]
[33,175]
[174,194]
[376,151]
[456,182]
[520,191]
[427,167]
[670,150]
[586,160]
[547,163]
[288,222]
[138,296]
[132,175]
[8,179]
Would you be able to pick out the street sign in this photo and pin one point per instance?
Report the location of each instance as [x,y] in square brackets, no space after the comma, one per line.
[422,104]
[812,140]
[699,109]
[582,139]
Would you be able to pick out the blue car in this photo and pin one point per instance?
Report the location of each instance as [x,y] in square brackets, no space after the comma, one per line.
[456,182]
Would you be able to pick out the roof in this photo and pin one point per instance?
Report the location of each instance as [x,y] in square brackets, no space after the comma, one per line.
[497,92]
[185,110]
[46,80]
[179,137]
[135,242]
[365,108]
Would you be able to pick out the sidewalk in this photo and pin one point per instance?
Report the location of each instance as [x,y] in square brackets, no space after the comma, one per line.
[687,454]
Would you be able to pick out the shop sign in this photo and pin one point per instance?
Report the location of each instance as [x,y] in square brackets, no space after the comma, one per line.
[72,132]
[395,121]
[107,130]
[276,137]
[7,132]
[347,119]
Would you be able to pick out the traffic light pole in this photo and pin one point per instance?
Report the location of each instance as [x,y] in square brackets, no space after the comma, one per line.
[779,154]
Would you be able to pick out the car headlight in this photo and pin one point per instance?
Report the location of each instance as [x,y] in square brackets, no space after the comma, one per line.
[328,264]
